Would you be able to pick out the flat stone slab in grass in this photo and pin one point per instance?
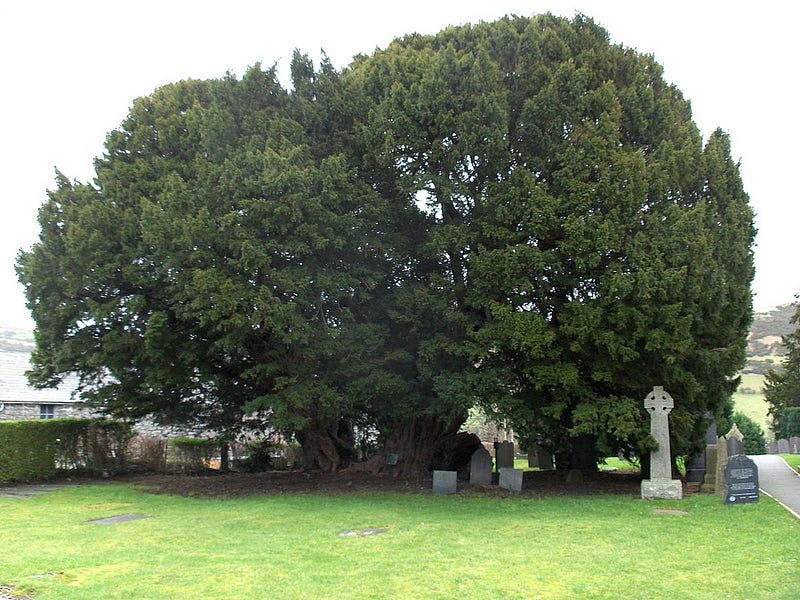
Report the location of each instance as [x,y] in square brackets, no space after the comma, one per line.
[117,520]
[363,532]
[19,492]
[670,512]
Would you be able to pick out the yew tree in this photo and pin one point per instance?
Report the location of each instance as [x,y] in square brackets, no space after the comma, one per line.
[589,246]
[517,214]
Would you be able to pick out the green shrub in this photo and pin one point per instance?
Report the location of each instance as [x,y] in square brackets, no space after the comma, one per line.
[192,455]
[789,423]
[40,449]
[754,440]
[259,456]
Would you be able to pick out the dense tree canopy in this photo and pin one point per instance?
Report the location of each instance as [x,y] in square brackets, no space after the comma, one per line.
[514,214]
[782,387]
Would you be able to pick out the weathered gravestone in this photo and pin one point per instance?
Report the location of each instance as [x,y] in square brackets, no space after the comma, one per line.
[794,445]
[783,447]
[741,475]
[660,485]
[545,460]
[722,461]
[696,472]
[511,479]
[735,441]
[444,482]
[505,455]
[480,467]
[533,459]
[772,448]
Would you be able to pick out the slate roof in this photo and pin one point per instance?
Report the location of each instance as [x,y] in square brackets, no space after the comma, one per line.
[14,386]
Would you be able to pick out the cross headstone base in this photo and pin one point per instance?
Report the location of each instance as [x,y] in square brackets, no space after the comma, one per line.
[667,489]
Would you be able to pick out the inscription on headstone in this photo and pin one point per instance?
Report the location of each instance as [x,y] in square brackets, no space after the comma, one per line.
[659,404]
[480,467]
[444,482]
[511,479]
[505,455]
[742,480]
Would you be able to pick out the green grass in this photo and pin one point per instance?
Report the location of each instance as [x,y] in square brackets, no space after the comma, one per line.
[463,546]
[754,405]
[793,460]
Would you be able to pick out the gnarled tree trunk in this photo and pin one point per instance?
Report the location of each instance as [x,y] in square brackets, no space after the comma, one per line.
[327,445]
[422,444]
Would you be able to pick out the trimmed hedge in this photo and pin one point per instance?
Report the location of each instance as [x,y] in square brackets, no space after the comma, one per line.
[40,449]
[193,454]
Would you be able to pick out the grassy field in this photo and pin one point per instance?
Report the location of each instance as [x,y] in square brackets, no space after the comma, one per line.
[464,546]
[753,404]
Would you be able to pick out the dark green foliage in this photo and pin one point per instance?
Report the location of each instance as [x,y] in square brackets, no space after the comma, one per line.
[40,449]
[754,440]
[259,456]
[517,214]
[789,423]
[782,387]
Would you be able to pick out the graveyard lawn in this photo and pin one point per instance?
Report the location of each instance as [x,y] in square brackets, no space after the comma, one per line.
[793,460]
[380,544]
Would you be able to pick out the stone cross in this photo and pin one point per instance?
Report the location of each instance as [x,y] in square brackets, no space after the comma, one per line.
[660,485]
[659,404]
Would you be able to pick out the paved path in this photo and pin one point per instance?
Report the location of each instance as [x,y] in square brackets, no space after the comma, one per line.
[779,480]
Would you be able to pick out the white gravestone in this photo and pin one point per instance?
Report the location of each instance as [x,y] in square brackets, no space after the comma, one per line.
[659,404]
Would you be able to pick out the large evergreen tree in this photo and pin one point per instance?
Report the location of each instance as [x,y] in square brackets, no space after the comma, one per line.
[589,246]
[517,213]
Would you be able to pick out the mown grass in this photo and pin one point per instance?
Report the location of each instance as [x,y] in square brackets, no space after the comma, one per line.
[793,460]
[463,546]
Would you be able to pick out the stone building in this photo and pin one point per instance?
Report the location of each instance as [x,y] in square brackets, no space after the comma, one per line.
[18,400]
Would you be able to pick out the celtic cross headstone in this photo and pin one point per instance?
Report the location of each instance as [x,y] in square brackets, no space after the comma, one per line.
[659,404]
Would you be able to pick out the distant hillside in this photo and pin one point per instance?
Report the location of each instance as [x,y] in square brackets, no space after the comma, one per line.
[16,340]
[765,342]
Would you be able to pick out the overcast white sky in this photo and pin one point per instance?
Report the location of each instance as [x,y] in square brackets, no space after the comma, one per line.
[72,69]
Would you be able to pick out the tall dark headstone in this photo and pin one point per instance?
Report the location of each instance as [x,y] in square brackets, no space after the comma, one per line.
[741,475]
[545,460]
[735,441]
[480,467]
[505,455]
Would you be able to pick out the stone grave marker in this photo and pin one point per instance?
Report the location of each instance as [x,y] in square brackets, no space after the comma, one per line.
[660,485]
[794,445]
[772,448]
[533,459]
[783,447]
[480,467]
[722,461]
[741,474]
[118,519]
[505,455]
[735,441]
[511,479]
[545,460]
[444,482]
[698,470]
